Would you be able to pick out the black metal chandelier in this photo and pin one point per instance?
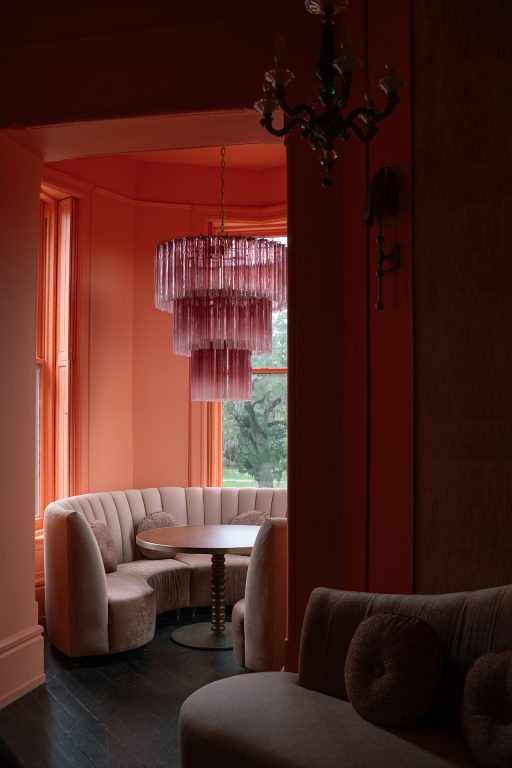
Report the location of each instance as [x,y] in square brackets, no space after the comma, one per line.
[321,128]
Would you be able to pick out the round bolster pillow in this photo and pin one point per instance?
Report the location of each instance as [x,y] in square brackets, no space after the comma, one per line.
[487,710]
[392,669]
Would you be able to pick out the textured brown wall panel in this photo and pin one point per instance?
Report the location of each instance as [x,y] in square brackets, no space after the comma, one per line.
[463,283]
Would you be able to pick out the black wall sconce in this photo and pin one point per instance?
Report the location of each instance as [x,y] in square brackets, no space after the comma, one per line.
[382,200]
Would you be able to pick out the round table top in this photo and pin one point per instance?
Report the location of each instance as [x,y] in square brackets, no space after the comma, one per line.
[209,539]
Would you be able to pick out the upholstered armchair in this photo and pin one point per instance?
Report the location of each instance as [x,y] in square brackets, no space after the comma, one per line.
[259,619]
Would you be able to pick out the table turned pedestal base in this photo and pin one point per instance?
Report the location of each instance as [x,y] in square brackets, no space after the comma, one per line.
[216,634]
[200,635]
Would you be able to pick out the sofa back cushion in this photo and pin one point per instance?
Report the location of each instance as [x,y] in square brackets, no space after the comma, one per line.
[104,539]
[250,518]
[150,523]
[123,511]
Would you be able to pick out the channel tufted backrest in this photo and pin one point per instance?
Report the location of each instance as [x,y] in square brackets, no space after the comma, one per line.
[469,625]
[122,511]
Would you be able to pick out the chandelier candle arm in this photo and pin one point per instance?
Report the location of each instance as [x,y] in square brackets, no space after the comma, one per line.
[372,115]
[267,122]
[364,135]
[274,98]
[293,111]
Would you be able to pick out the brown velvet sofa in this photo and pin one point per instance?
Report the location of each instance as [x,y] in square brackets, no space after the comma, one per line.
[90,612]
[304,720]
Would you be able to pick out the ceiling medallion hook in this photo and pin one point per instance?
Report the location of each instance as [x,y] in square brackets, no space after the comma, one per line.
[222,202]
[321,128]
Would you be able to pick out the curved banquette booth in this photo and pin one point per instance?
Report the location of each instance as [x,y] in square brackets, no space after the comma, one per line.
[91,612]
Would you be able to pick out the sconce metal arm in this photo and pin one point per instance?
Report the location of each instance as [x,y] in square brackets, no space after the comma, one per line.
[382,200]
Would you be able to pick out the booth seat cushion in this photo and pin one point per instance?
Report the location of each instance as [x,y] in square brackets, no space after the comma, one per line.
[169,579]
[200,577]
[228,724]
[131,612]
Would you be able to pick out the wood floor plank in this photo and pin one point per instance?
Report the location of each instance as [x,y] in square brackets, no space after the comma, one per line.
[112,712]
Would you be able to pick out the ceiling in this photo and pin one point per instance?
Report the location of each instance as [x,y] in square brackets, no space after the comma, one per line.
[187,138]
[252,156]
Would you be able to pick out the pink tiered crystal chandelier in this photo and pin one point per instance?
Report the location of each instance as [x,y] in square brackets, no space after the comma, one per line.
[221,290]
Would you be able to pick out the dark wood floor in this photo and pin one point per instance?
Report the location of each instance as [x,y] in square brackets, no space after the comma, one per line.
[109,712]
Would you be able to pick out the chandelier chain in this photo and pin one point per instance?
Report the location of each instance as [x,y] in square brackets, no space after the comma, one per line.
[222,205]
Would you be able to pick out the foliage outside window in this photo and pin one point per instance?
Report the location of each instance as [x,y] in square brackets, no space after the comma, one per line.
[255,433]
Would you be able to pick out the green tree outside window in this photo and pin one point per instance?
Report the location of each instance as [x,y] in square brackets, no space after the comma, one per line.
[255,433]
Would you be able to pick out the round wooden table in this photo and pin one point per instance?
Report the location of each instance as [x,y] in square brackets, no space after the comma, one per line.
[217,540]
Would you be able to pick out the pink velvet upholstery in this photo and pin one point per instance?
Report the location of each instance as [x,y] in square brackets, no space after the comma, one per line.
[89,612]
[105,544]
[150,523]
[250,518]
[259,621]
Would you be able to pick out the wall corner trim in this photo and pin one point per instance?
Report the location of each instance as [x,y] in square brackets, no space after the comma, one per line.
[21,663]
[19,638]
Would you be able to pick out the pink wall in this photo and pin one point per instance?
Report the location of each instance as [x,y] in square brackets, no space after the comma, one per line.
[113,173]
[196,185]
[21,644]
[110,384]
[135,392]
[160,379]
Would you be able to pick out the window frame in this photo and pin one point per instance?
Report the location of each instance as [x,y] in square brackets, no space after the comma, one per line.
[262,230]
[55,353]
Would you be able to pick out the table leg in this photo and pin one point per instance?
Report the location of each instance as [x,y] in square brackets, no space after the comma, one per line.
[216,634]
[218,580]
